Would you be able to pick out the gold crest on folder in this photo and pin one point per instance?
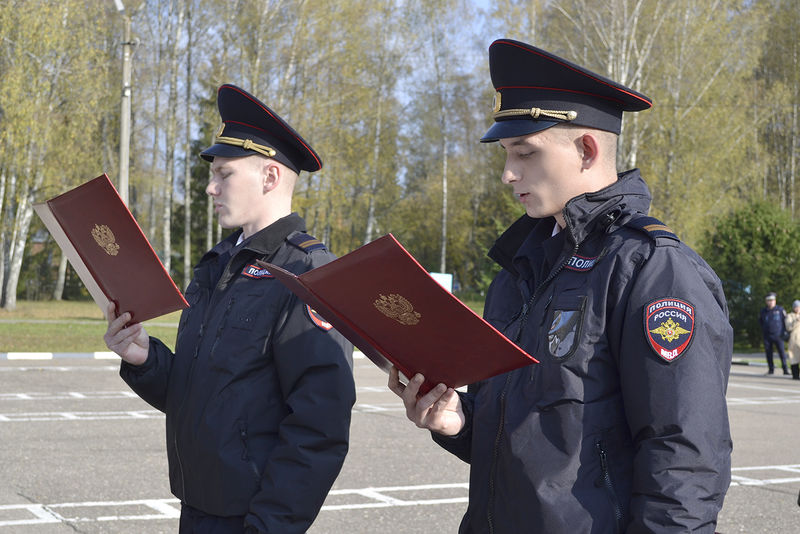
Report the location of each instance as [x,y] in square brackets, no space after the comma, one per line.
[398,308]
[104,237]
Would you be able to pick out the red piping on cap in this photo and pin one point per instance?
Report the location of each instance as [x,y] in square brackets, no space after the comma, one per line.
[649,102]
[279,121]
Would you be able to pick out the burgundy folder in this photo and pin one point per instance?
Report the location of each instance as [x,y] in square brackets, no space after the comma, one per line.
[108,250]
[382,300]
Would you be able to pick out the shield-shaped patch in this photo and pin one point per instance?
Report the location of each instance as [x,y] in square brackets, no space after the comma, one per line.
[565,327]
[669,326]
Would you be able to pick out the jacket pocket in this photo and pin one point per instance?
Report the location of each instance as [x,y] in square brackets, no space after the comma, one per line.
[607,482]
[251,464]
[565,325]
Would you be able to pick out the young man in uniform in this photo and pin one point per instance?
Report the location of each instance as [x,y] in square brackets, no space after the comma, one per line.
[623,425]
[259,390]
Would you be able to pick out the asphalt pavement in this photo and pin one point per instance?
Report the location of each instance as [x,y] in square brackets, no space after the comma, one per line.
[81,453]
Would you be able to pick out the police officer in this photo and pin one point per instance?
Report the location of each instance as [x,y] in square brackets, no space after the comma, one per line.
[259,389]
[772,320]
[623,425]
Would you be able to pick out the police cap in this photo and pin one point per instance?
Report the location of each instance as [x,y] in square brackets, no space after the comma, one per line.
[535,90]
[250,127]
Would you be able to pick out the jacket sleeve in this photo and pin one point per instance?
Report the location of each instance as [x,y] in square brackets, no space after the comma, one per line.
[150,379]
[314,369]
[461,444]
[676,409]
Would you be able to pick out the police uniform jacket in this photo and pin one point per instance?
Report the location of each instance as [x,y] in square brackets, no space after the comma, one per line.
[259,390]
[772,321]
[622,426]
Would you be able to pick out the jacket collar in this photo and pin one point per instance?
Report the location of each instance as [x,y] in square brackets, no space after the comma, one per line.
[265,241]
[606,209]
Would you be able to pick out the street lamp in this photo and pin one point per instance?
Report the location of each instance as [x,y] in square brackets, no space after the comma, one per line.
[125,111]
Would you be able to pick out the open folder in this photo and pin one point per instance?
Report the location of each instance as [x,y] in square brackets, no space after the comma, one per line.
[109,251]
[382,300]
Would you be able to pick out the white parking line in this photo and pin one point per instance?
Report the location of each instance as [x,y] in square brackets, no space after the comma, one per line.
[370,497]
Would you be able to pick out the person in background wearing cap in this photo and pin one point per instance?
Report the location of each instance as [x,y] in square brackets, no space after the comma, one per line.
[793,327]
[259,391]
[772,320]
[622,426]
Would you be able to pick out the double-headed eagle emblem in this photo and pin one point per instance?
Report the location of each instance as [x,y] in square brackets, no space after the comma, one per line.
[670,330]
[104,237]
[398,308]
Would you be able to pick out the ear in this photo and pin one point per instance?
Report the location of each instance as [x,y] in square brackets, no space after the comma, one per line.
[272,175]
[589,148]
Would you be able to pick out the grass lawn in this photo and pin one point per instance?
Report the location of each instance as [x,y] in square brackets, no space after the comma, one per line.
[67,326]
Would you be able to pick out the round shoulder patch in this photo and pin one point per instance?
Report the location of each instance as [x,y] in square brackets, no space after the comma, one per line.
[317,319]
[669,326]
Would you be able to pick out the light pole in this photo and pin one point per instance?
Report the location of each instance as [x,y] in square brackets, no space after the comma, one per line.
[125,109]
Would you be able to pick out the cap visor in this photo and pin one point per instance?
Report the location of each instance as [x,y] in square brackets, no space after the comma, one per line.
[224,151]
[514,128]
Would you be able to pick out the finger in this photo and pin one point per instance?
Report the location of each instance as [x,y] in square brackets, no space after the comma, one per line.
[121,337]
[394,382]
[110,311]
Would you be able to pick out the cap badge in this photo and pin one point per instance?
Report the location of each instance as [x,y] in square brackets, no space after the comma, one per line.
[497,101]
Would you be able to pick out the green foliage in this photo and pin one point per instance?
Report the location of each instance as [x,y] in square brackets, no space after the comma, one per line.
[754,250]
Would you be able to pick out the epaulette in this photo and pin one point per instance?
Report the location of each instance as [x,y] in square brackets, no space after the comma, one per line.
[652,227]
[305,242]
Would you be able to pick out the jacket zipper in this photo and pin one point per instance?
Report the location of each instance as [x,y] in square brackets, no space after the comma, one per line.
[497,438]
[605,476]
[526,307]
[245,454]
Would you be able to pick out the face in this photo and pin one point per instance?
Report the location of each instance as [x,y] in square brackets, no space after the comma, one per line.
[544,171]
[237,189]
[770,303]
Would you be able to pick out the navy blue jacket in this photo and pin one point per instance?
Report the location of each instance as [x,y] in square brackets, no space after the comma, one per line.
[772,321]
[259,391]
[623,425]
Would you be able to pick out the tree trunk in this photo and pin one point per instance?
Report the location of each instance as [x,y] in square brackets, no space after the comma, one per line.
[187,167]
[171,137]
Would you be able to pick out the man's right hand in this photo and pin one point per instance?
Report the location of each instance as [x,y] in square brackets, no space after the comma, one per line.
[132,343]
[439,410]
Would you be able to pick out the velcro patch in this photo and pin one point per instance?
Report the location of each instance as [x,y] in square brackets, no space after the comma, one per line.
[317,319]
[254,271]
[669,326]
[581,263]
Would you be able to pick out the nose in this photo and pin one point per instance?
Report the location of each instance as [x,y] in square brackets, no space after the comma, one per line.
[509,175]
[212,189]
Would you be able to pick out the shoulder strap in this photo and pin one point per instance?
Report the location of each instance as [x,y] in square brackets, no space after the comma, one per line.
[305,242]
[652,227]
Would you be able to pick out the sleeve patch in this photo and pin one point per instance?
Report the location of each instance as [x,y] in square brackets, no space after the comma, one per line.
[669,327]
[317,319]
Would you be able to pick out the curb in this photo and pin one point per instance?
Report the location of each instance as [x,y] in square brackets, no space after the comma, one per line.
[57,355]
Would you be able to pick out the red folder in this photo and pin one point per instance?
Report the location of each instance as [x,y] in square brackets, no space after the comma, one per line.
[382,300]
[108,250]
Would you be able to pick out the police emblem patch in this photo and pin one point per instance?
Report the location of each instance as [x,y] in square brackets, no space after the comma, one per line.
[317,319]
[254,271]
[669,326]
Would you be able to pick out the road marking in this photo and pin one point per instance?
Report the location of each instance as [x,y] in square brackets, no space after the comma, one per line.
[370,497]
[69,395]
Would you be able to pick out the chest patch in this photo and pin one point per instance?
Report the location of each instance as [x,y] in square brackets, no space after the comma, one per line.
[581,263]
[317,319]
[254,271]
[669,326]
